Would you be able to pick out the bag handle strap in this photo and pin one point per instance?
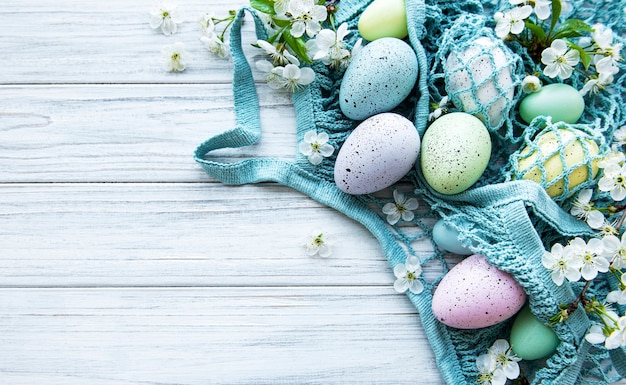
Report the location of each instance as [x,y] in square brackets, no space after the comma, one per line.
[248,121]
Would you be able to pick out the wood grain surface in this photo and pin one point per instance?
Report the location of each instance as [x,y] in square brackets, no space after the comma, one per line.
[122,262]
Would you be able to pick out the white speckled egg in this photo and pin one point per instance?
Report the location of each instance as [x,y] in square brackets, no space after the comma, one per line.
[378,78]
[378,153]
[455,152]
[475,294]
[479,75]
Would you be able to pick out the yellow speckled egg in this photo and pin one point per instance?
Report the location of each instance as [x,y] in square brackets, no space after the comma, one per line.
[455,152]
[547,150]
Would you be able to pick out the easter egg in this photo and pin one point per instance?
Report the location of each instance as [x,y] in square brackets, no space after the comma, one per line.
[383,18]
[549,154]
[378,78]
[480,75]
[447,238]
[562,102]
[455,152]
[474,294]
[530,338]
[379,152]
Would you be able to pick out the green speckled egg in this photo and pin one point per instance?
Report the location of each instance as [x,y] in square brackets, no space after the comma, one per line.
[455,152]
[560,101]
[531,339]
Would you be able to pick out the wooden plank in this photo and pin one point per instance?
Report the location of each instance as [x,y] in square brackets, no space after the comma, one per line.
[105,42]
[127,132]
[196,234]
[130,336]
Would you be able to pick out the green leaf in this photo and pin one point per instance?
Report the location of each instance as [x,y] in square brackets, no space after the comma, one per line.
[556,13]
[576,25]
[585,58]
[297,45]
[281,22]
[572,28]
[536,30]
[264,6]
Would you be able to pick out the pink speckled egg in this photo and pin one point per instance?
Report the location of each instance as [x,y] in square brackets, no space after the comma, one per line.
[475,294]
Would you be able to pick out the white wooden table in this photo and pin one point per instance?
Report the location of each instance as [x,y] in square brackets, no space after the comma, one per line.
[122,262]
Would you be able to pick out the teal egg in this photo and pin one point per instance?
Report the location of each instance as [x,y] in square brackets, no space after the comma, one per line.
[530,338]
[378,78]
[447,238]
[562,102]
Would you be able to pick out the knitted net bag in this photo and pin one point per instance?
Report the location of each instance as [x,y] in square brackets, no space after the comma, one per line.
[509,220]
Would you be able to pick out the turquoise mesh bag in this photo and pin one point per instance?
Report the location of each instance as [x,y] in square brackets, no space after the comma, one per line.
[508,220]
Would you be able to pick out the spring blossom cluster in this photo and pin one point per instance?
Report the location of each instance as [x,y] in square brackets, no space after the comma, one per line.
[498,364]
[568,47]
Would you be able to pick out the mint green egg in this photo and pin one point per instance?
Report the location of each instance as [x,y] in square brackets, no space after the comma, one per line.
[455,152]
[384,18]
[531,339]
[560,101]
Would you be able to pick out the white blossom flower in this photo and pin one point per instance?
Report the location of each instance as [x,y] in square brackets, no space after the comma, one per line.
[166,15]
[401,208]
[175,57]
[271,77]
[615,250]
[512,21]
[487,372]
[608,52]
[597,83]
[583,209]
[618,296]
[561,264]
[541,7]
[329,47]
[608,228]
[281,57]
[531,84]
[441,109]
[294,77]
[307,17]
[614,180]
[595,335]
[566,8]
[215,45]
[207,25]
[617,338]
[619,136]
[315,146]
[613,158]
[317,244]
[591,254]
[505,359]
[407,275]
[281,6]
[559,59]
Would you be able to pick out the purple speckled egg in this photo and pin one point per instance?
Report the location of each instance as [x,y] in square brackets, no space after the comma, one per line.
[378,153]
[475,294]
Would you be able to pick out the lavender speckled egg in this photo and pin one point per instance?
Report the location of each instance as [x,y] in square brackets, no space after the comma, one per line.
[378,153]
[474,294]
[455,152]
[480,76]
[378,78]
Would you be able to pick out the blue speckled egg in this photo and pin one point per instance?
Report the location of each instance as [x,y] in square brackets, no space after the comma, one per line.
[378,79]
